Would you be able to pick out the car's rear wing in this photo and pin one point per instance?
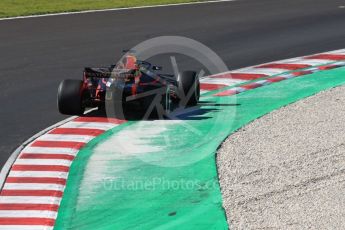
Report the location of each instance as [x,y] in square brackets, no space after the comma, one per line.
[103,72]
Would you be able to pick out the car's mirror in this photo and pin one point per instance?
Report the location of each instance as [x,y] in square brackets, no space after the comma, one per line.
[157,67]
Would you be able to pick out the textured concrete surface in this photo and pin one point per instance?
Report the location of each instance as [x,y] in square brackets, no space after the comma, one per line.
[286,170]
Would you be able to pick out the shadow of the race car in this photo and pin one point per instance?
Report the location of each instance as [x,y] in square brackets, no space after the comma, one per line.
[132,113]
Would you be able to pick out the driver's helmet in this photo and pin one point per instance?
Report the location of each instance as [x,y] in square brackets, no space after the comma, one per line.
[129,62]
[127,68]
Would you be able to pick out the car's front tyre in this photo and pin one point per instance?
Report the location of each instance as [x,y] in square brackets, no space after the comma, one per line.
[189,88]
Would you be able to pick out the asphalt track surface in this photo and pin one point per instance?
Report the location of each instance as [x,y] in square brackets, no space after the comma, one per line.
[37,53]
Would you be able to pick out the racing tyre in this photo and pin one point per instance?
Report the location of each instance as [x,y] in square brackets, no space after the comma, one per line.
[189,87]
[70,97]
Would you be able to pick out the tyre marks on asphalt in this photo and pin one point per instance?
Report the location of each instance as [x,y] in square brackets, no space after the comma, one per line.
[34,187]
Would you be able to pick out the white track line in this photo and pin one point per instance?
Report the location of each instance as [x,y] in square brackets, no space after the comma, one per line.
[115,9]
[342,51]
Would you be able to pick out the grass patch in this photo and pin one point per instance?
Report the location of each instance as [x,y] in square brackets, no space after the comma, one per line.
[11,8]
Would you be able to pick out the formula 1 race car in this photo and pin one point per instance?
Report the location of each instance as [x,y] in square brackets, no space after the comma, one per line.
[128,81]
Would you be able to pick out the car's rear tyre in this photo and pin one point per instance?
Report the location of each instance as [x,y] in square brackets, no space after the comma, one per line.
[70,97]
[189,87]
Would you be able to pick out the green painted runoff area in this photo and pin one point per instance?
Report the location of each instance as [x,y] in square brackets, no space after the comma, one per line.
[171,182]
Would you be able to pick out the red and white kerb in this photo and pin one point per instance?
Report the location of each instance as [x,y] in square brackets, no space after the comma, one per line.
[34,187]
[232,78]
